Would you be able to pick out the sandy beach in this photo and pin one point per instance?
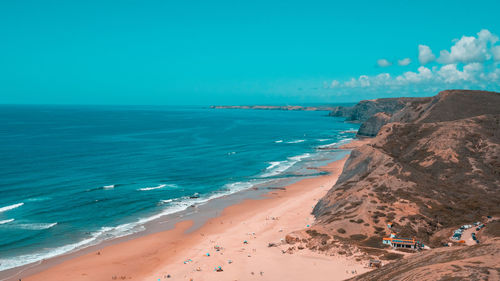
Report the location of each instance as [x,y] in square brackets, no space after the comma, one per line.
[238,241]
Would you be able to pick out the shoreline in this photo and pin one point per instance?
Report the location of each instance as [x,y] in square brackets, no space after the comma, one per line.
[114,258]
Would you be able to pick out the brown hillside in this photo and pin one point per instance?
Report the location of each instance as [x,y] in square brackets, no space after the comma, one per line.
[433,167]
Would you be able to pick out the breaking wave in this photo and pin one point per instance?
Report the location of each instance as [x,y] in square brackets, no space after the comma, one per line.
[6,221]
[10,207]
[278,167]
[35,226]
[156,187]
[296,141]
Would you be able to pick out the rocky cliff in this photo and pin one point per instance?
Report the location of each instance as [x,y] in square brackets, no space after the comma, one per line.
[446,106]
[365,109]
[370,127]
[433,165]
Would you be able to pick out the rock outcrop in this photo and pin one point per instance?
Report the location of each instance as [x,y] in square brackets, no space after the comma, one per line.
[370,127]
[341,111]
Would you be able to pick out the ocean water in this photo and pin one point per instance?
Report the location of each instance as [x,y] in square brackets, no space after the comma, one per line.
[72,176]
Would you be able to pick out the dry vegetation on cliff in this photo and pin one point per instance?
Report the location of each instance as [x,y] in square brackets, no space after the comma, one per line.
[433,166]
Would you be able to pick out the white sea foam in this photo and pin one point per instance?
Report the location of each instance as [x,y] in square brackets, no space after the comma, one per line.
[335,144]
[35,226]
[108,186]
[279,167]
[105,233]
[296,141]
[344,141]
[174,205]
[323,140]
[6,221]
[273,164]
[10,207]
[153,187]
[300,157]
[279,141]
[330,145]
[239,186]
[6,263]
[38,199]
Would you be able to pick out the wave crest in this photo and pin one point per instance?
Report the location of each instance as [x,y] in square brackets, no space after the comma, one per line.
[10,207]
[153,187]
[296,141]
[6,221]
[36,226]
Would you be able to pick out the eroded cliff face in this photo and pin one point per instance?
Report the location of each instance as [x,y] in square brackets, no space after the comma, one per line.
[448,105]
[433,166]
[370,127]
[365,109]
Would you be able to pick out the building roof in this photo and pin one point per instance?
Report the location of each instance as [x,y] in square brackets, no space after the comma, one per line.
[404,241]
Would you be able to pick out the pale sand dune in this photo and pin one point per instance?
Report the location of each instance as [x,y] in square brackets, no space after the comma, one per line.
[155,256]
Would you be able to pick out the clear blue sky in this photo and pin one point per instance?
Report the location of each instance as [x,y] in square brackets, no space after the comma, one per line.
[233,52]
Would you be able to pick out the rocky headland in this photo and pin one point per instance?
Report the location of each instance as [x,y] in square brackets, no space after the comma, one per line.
[432,166]
[276,107]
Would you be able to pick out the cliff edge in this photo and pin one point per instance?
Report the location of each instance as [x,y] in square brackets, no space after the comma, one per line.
[432,166]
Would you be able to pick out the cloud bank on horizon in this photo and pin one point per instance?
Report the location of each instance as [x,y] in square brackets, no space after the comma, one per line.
[473,62]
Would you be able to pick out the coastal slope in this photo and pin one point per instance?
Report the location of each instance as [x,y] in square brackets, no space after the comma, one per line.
[433,166]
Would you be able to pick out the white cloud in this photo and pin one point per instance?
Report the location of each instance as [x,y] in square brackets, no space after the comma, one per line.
[450,74]
[470,49]
[404,62]
[425,54]
[364,81]
[467,65]
[383,63]
[415,77]
[440,77]
[496,53]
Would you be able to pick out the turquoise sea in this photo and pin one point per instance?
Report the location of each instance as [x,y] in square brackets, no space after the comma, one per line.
[72,176]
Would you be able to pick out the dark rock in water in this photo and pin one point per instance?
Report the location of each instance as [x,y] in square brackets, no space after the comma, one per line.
[194,196]
[341,111]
